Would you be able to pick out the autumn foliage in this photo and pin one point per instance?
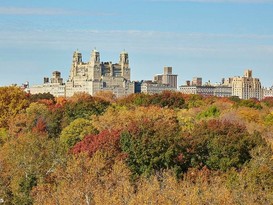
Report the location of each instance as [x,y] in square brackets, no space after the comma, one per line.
[166,148]
[106,141]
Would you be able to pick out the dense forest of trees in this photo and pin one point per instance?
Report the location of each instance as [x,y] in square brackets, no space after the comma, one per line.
[161,149]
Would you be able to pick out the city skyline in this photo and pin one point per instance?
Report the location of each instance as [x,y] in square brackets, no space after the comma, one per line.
[212,39]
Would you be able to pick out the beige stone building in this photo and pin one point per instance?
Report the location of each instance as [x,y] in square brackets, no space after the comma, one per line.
[167,78]
[54,86]
[196,81]
[91,77]
[268,92]
[163,82]
[247,87]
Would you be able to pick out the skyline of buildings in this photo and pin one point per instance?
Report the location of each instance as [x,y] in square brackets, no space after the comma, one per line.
[244,87]
[96,75]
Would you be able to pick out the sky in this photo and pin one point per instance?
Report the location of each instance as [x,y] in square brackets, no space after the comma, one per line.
[212,39]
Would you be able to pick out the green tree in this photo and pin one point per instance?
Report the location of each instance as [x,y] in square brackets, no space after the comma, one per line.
[42,96]
[152,144]
[251,103]
[3,136]
[221,145]
[211,112]
[269,119]
[165,99]
[140,99]
[195,101]
[83,107]
[76,131]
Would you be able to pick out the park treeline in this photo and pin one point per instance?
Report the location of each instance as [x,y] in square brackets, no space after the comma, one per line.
[167,148]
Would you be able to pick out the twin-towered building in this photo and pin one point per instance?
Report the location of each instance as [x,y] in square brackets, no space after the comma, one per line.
[95,75]
[91,77]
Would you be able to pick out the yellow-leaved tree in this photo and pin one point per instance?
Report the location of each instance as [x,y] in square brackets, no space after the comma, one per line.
[12,100]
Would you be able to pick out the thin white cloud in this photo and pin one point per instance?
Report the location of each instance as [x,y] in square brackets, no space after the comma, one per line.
[46,11]
[147,41]
[31,11]
[81,35]
[216,1]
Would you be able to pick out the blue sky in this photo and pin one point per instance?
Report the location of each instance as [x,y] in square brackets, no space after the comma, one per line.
[211,39]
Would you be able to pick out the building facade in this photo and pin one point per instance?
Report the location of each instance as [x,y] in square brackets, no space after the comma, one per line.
[197,81]
[247,87]
[91,77]
[200,90]
[205,90]
[167,78]
[150,87]
[163,82]
[54,86]
[268,92]
[195,87]
[223,91]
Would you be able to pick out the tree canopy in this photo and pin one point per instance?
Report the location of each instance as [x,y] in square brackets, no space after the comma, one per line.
[166,148]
